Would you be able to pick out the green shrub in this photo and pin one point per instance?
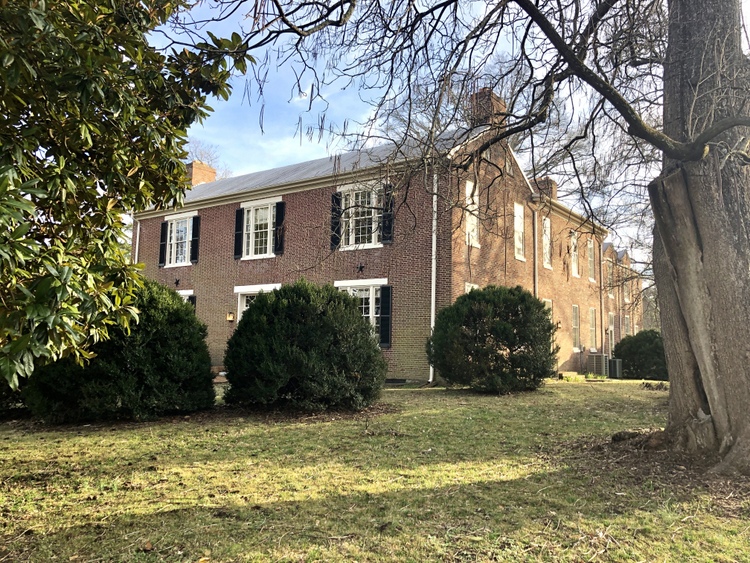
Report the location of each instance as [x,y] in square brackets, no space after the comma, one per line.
[494,340]
[304,347]
[161,367]
[642,356]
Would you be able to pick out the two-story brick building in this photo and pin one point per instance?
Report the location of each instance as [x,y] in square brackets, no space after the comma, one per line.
[406,235]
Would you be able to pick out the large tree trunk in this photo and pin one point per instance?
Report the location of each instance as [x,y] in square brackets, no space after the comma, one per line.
[702,242]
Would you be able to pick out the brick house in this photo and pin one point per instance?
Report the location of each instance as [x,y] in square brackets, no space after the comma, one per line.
[405,235]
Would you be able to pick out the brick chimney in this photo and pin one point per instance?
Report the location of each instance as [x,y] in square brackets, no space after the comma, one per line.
[487,108]
[547,186]
[200,173]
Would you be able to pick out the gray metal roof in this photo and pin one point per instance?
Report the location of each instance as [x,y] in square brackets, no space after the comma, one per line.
[320,168]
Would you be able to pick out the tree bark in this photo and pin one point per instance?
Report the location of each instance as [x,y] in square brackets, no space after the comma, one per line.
[702,243]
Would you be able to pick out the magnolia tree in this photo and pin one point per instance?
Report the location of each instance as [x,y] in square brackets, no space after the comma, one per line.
[92,127]
[671,75]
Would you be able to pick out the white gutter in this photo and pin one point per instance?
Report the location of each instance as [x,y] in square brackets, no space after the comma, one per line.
[137,240]
[535,237]
[433,280]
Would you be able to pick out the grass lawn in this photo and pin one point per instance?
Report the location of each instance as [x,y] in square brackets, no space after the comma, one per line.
[426,475]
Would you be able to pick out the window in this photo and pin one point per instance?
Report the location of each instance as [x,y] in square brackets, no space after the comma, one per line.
[179,239]
[259,229]
[574,254]
[592,329]
[469,287]
[472,215]
[611,332]
[246,294]
[592,260]
[518,231]
[547,242]
[576,329]
[187,295]
[626,290]
[627,325]
[374,297]
[610,281]
[361,217]
[547,304]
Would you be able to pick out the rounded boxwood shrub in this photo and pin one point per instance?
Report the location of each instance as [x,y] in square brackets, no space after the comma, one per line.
[494,340]
[642,356]
[304,347]
[161,367]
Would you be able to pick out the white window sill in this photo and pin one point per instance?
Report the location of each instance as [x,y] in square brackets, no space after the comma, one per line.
[180,265]
[576,350]
[592,280]
[258,257]
[547,267]
[576,275]
[520,258]
[361,246]
[611,296]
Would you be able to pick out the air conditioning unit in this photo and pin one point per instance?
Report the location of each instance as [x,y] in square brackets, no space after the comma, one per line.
[615,368]
[597,363]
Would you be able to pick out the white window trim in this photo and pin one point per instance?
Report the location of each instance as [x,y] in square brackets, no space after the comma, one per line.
[575,325]
[180,217]
[372,188]
[249,206]
[469,286]
[185,292]
[575,256]
[626,325]
[592,329]
[592,270]
[472,216]
[242,290]
[548,235]
[611,331]
[361,283]
[522,254]
[610,273]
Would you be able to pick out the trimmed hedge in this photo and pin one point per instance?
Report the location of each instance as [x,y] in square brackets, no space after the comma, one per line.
[494,340]
[304,347]
[161,367]
[642,356]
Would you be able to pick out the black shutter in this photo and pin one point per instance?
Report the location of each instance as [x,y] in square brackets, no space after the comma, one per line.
[196,235]
[385,316]
[191,300]
[387,222]
[335,220]
[279,228]
[163,244]
[239,220]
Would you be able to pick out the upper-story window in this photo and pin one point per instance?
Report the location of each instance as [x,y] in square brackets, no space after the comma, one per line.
[519,231]
[472,215]
[574,254]
[592,259]
[547,242]
[259,229]
[362,217]
[179,239]
[626,288]
[610,279]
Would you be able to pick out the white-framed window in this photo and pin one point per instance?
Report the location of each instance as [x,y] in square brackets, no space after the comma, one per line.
[592,329]
[547,242]
[547,303]
[592,260]
[626,289]
[179,232]
[246,294]
[627,325]
[185,293]
[361,216]
[576,325]
[258,228]
[469,286]
[519,234]
[574,254]
[610,279]
[472,215]
[374,296]
[611,332]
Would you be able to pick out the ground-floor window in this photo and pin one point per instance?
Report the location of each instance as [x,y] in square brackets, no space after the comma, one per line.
[374,297]
[246,294]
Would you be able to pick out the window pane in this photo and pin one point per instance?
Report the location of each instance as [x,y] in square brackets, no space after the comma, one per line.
[574,253]
[547,242]
[177,247]
[362,217]
[518,230]
[261,224]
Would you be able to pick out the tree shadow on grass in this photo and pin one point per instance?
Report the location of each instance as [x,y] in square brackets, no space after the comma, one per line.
[596,500]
